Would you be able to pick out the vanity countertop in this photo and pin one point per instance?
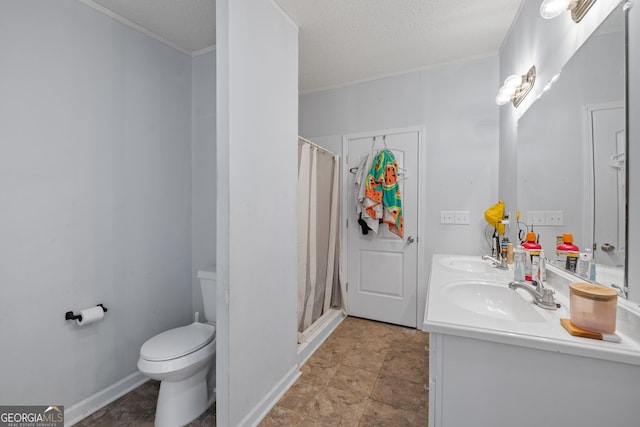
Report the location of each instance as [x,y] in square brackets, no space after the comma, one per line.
[466,298]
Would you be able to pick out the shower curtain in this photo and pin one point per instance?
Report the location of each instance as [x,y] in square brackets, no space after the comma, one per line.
[319,278]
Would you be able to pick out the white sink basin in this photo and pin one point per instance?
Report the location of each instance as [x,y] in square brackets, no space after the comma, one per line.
[468,264]
[492,300]
[468,304]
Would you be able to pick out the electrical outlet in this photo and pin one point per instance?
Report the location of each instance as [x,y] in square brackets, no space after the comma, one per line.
[447,217]
[554,217]
[536,218]
[462,217]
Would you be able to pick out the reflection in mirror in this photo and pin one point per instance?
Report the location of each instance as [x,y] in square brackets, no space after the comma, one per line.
[571,154]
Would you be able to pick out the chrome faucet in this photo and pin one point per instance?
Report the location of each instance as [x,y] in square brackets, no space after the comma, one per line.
[542,297]
[623,291]
[500,262]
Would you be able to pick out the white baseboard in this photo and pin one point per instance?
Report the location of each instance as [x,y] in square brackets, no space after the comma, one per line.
[88,406]
[314,335]
[317,333]
[262,409]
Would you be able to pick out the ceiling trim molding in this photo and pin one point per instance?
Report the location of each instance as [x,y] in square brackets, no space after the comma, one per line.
[286,16]
[204,50]
[133,25]
[402,72]
[511,29]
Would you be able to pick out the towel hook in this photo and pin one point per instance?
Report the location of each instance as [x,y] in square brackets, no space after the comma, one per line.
[384,142]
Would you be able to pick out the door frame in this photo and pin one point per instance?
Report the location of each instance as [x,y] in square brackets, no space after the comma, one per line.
[589,183]
[346,216]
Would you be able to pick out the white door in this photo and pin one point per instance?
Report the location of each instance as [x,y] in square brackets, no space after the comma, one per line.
[609,185]
[382,269]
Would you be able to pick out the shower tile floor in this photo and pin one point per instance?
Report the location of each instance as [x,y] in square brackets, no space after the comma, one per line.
[365,374]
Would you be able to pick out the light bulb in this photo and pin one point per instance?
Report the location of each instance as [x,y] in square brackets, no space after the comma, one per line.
[552,8]
[502,98]
[512,82]
[508,88]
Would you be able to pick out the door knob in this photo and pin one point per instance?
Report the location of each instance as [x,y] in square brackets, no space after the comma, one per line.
[410,239]
[607,247]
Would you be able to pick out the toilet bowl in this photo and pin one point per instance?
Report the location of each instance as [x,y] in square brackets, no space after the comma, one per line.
[183,360]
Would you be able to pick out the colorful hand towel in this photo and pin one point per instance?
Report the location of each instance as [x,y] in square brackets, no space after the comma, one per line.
[382,192]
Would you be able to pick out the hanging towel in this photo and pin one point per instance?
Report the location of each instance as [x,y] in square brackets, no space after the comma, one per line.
[382,192]
[360,182]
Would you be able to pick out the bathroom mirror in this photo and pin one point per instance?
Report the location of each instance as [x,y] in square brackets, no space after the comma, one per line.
[571,154]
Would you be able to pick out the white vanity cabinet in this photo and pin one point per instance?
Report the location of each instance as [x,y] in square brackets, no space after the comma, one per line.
[500,372]
[475,382]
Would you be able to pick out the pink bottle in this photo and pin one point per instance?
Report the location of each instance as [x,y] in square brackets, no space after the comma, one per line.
[567,253]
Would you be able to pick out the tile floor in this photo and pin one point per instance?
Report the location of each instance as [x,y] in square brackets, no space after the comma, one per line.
[137,409]
[365,374]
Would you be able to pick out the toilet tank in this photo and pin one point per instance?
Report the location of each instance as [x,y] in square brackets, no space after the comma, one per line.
[208,286]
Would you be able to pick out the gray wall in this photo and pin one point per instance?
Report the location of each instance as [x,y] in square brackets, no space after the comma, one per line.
[203,164]
[95,188]
[456,106]
[257,149]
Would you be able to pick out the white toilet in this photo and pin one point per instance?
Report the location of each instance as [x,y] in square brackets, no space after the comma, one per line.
[183,359]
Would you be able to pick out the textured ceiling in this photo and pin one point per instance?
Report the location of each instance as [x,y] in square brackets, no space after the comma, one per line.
[344,41]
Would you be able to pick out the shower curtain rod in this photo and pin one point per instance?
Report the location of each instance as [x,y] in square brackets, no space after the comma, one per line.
[316,146]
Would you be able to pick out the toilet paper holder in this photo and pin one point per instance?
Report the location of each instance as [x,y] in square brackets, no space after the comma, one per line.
[70,316]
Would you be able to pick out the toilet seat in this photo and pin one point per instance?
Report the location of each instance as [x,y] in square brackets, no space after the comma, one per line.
[177,342]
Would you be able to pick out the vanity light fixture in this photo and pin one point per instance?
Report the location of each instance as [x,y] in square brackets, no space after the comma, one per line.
[552,8]
[515,88]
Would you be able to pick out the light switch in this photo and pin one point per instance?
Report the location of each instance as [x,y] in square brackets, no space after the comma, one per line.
[462,217]
[554,217]
[447,217]
[537,218]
